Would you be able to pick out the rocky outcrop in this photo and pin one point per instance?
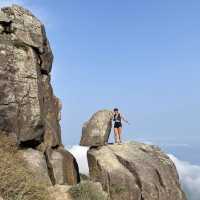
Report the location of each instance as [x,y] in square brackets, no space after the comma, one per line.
[63,167]
[96,131]
[29,110]
[37,163]
[27,105]
[135,171]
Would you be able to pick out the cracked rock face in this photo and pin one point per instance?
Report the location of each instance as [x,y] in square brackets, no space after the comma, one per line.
[27,104]
[96,131]
[62,166]
[29,110]
[37,162]
[135,171]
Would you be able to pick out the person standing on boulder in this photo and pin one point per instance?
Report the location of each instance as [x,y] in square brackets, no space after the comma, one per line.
[117,118]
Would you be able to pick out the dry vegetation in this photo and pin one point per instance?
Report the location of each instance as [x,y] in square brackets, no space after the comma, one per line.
[87,190]
[17,182]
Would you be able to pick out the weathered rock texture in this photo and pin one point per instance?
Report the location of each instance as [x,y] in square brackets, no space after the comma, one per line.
[63,167]
[96,131]
[28,108]
[134,171]
[37,162]
[29,111]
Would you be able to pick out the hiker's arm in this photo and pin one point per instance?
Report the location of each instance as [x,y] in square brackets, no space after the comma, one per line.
[125,120]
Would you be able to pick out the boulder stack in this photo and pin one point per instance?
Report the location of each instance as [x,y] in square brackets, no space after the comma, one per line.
[129,171]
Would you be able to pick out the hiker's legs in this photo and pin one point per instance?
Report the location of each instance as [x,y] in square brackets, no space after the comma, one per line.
[119,133]
[116,135]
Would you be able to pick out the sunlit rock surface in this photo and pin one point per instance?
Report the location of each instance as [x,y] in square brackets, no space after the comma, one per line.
[29,110]
[135,171]
[96,130]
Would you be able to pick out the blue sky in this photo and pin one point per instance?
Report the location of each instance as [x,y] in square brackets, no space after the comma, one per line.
[141,56]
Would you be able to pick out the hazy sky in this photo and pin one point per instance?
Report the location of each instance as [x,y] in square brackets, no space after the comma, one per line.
[141,56]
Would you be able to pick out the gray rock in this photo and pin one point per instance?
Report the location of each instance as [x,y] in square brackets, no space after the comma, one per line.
[62,166]
[28,31]
[28,107]
[37,163]
[29,110]
[4,18]
[52,109]
[96,131]
[135,171]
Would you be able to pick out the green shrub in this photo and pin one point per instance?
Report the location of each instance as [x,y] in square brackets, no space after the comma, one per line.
[17,182]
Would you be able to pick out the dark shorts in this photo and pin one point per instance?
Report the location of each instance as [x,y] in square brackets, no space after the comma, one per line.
[117,125]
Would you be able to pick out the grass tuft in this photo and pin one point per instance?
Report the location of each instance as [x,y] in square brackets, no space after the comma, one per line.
[88,190]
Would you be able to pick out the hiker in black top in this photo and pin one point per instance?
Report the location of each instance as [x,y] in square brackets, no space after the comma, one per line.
[117,118]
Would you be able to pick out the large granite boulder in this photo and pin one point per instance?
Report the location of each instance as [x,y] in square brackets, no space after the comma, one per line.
[62,166]
[96,131]
[36,162]
[29,110]
[28,107]
[134,171]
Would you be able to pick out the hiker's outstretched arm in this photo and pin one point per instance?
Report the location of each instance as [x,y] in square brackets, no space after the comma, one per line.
[125,120]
